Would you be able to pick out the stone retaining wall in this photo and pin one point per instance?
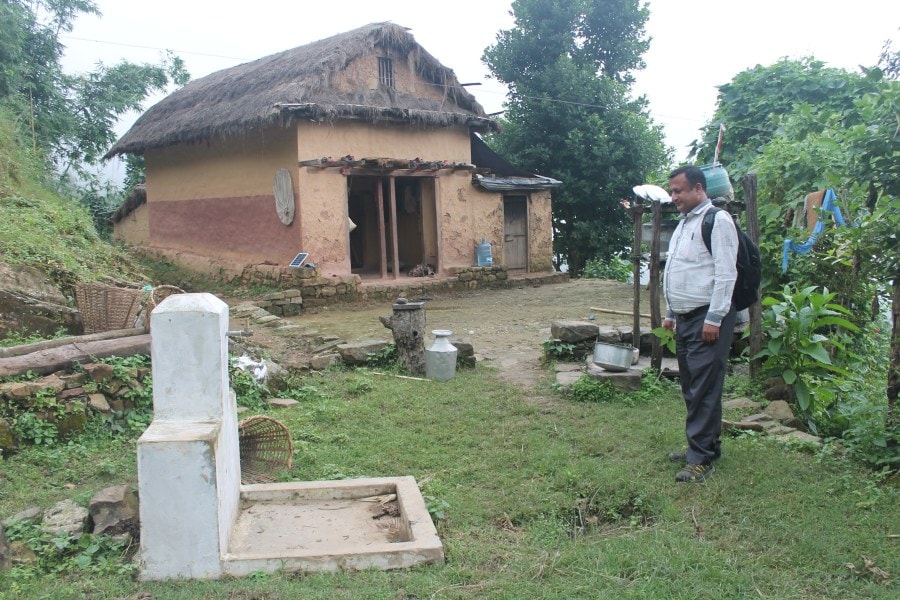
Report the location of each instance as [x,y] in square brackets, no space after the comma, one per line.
[317,290]
[66,399]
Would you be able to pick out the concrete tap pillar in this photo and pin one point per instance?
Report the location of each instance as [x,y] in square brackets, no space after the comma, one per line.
[189,458]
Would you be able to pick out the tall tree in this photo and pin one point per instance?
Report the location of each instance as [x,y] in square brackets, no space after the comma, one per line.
[70,117]
[569,115]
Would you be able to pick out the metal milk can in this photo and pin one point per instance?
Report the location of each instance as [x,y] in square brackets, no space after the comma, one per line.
[440,357]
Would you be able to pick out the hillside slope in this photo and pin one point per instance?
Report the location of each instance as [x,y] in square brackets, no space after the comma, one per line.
[44,232]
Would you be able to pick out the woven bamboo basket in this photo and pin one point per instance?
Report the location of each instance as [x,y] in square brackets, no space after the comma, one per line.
[155,298]
[106,307]
[266,449]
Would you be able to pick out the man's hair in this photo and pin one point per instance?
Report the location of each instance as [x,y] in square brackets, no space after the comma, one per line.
[693,175]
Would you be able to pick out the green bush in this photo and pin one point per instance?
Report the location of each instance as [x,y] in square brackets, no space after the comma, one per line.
[613,267]
[804,334]
[559,350]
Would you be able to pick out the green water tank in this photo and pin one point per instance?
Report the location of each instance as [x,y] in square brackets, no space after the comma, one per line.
[718,185]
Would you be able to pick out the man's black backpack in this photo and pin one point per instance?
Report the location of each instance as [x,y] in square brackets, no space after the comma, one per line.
[749,265]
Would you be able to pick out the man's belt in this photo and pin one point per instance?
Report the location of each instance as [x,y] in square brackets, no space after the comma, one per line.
[700,310]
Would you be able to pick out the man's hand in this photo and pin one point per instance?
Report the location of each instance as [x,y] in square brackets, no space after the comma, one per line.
[669,325]
[710,333]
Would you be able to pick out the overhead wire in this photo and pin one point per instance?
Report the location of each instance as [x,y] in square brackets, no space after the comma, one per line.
[482,90]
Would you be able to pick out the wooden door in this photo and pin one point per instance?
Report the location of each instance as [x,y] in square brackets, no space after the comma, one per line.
[515,232]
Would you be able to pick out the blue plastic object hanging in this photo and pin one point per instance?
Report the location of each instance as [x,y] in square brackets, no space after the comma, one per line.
[828,206]
[483,256]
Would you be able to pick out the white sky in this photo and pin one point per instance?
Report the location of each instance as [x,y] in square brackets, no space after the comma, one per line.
[696,45]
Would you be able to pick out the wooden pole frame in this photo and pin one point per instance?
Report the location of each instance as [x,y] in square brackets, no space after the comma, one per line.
[655,317]
[752,229]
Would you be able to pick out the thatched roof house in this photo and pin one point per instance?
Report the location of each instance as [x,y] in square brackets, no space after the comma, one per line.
[212,148]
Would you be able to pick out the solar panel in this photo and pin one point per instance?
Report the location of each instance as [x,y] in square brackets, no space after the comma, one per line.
[299,259]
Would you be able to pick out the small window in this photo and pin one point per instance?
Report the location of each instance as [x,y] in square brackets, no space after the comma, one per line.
[386,72]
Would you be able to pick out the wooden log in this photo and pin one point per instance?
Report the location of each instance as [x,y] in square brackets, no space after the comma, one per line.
[63,357]
[75,339]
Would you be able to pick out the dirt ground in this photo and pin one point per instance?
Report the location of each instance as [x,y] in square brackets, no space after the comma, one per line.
[505,327]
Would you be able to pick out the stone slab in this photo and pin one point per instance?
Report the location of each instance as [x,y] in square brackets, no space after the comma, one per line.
[627,381]
[565,379]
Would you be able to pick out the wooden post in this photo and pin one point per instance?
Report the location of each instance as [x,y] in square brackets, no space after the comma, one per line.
[407,323]
[396,251]
[752,229]
[379,197]
[439,264]
[637,210]
[655,321]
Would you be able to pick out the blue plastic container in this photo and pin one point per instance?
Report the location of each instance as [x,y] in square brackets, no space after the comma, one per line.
[483,256]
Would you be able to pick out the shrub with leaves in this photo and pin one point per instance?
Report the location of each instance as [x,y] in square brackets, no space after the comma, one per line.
[559,350]
[612,267]
[59,554]
[804,330]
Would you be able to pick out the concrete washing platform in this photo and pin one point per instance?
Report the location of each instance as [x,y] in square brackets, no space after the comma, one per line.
[198,522]
[379,523]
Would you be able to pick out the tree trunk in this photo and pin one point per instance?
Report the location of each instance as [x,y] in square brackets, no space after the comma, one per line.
[63,357]
[408,326]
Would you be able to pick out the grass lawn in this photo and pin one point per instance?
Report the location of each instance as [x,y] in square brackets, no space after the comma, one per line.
[541,499]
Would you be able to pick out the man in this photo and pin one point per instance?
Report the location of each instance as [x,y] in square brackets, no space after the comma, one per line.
[698,284]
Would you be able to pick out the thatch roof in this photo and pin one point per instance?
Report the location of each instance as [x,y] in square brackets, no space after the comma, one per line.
[295,83]
[137,197]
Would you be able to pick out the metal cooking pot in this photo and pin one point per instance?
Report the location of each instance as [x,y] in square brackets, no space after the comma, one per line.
[613,357]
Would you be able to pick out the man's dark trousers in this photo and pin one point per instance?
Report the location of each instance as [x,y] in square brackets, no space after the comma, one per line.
[701,369]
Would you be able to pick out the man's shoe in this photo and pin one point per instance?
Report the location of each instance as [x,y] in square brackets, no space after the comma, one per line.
[678,456]
[694,473]
[681,457]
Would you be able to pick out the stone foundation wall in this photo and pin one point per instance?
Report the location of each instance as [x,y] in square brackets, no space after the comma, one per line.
[304,288]
[316,290]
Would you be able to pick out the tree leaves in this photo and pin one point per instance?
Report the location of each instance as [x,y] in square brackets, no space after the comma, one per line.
[569,115]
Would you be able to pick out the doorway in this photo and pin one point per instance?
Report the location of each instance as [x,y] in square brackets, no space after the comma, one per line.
[515,232]
[373,231]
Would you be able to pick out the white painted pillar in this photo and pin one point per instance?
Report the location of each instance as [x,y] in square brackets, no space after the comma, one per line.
[189,459]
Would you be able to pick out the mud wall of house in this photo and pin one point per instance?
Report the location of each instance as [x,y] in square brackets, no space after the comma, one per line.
[134,228]
[216,198]
[540,232]
[467,214]
[323,192]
